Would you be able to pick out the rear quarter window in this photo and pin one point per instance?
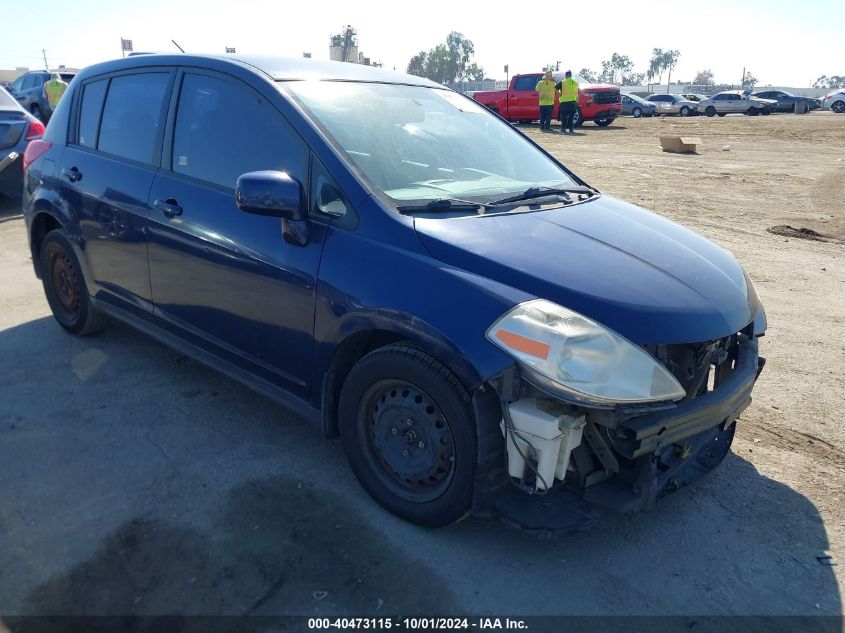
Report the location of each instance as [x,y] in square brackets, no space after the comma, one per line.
[132,115]
[89,112]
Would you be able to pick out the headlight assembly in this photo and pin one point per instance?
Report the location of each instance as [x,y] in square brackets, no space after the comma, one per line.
[581,357]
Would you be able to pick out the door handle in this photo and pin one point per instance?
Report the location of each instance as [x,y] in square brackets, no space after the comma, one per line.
[73,174]
[169,207]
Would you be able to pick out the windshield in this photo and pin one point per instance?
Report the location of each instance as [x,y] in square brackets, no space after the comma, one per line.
[421,144]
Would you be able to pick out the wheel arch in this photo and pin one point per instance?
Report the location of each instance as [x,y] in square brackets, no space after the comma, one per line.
[44,220]
[369,336]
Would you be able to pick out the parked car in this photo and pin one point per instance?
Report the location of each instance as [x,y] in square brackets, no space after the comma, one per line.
[735,101]
[835,100]
[635,106]
[788,102]
[673,104]
[392,261]
[17,128]
[519,102]
[28,89]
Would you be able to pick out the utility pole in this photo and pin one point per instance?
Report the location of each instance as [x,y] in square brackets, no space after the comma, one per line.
[44,53]
[742,83]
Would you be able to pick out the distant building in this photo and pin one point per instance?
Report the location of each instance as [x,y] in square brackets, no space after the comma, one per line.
[8,76]
[343,47]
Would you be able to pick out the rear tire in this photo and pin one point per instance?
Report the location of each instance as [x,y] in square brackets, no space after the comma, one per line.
[752,111]
[64,286]
[577,119]
[684,111]
[408,430]
[604,122]
[37,112]
[710,111]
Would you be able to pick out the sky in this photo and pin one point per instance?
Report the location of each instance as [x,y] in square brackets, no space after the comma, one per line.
[782,42]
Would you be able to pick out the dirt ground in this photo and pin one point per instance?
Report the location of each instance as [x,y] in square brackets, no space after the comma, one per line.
[134,480]
[751,174]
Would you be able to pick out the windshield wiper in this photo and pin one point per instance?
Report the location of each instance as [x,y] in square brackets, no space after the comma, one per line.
[442,204]
[541,191]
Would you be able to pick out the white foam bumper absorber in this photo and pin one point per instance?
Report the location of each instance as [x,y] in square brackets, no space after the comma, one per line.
[545,432]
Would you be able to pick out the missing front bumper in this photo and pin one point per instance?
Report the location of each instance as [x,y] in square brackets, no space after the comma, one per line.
[637,458]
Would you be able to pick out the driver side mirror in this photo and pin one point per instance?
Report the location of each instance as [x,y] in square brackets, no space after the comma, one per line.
[271,193]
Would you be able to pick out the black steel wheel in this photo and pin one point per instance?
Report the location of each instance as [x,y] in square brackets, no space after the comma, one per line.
[408,430]
[64,286]
[411,438]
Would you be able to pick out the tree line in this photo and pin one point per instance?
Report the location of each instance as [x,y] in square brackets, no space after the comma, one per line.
[830,83]
[452,61]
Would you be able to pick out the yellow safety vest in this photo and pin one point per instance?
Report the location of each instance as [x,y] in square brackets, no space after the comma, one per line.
[54,89]
[569,90]
[546,89]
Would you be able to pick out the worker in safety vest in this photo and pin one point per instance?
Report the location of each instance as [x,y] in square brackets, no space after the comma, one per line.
[54,89]
[546,89]
[568,90]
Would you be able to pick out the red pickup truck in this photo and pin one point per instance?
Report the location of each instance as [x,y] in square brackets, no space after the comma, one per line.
[596,102]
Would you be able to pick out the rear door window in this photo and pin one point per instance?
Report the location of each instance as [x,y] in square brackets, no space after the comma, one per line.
[526,82]
[89,112]
[132,116]
[224,129]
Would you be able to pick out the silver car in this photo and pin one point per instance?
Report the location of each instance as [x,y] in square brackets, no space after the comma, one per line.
[673,104]
[736,101]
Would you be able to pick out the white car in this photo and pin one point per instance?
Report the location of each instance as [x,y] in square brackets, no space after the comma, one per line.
[735,101]
[834,101]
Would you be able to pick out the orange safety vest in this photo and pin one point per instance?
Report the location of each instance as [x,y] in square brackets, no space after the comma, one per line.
[569,90]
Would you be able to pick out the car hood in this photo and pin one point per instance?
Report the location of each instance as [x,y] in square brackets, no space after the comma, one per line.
[645,277]
[599,87]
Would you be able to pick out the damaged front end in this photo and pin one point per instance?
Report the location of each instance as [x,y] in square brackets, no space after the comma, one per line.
[565,456]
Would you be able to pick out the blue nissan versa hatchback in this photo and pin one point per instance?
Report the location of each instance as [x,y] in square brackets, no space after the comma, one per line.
[388,258]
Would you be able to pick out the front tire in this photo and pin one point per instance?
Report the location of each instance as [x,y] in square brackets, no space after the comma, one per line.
[577,119]
[636,113]
[710,111]
[64,286]
[37,112]
[604,122]
[408,430]
[838,107]
[684,111]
